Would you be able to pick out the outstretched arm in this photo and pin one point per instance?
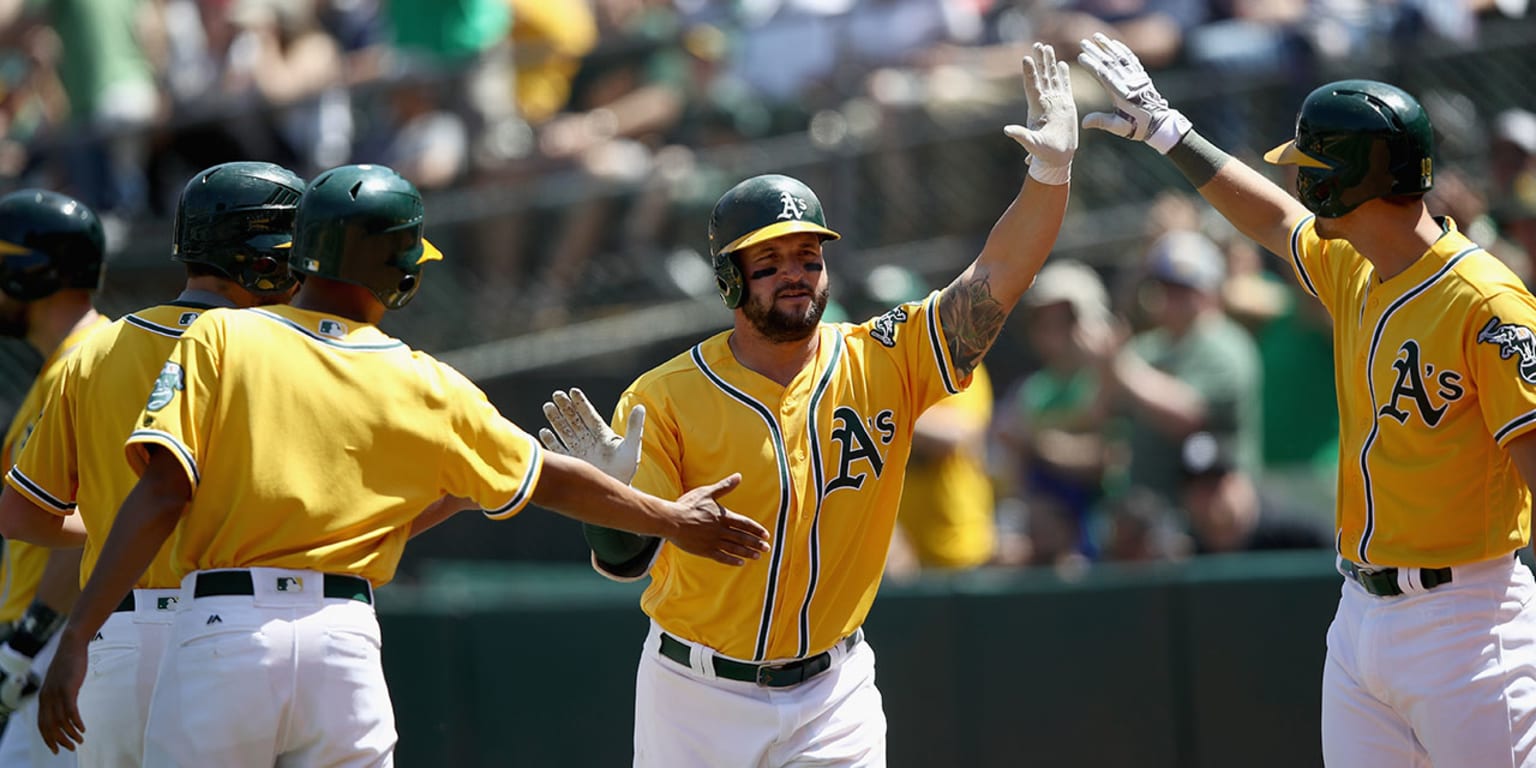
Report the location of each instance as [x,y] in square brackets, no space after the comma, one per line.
[974,306]
[1258,207]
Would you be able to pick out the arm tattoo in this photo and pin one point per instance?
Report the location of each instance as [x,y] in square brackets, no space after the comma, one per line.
[972,320]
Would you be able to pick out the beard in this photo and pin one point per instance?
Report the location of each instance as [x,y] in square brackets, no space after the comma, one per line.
[13,319]
[781,326]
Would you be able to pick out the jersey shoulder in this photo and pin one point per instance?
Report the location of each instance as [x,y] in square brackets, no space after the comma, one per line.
[1485,275]
[714,352]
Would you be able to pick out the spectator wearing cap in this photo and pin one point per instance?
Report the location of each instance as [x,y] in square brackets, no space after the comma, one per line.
[1226,511]
[1050,436]
[1512,155]
[1194,370]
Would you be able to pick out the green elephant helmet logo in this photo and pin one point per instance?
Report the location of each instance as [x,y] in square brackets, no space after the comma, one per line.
[166,385]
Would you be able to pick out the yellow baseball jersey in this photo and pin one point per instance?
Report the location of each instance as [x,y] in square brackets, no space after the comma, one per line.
[947,505]
[87,418]
[822,463]
[312,441]
[24,562]
[1436,371]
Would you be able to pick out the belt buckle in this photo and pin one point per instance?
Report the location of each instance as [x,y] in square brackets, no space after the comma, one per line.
[765,674]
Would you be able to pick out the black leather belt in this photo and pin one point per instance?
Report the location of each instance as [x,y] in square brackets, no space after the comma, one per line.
[780,675]
[1382,582]
[126,605]
[213,583]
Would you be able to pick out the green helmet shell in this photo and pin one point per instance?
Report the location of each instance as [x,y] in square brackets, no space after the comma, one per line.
[48,242]
[362,224]
[758,209]
[238,219]
[1358,140]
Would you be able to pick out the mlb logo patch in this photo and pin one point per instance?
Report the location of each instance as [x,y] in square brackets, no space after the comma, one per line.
[290,584]
[165,604]
[333,329]
[187,318]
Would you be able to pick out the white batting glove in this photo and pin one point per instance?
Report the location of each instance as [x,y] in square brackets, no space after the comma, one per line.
[580,433]
[1051,133]
[1141,113]
[18,682]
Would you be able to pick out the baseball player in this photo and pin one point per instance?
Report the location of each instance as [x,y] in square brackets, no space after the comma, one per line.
[295,446]
[51,256]
[767,665]
[1432,654]
[230,220]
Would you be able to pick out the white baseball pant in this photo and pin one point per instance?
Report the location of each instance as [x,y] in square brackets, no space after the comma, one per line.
[124,659]
[22,746]
[285,676]
[1442,677]
[686,717]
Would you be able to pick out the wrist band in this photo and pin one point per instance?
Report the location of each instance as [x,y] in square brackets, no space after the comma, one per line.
[1045,173]
[1169,130]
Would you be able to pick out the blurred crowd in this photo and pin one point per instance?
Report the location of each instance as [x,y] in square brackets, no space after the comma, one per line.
[1180,404]
[117,101]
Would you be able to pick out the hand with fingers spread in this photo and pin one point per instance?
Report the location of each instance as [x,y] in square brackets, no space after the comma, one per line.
[1141,113]
[576,430]
[701,526]
[1050,135]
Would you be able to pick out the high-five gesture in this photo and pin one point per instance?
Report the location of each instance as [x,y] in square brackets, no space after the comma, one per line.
[1051,133]
[580,432]
[1141,113]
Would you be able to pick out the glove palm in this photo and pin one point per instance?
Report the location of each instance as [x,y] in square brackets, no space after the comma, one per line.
[1051,133]
[576,430]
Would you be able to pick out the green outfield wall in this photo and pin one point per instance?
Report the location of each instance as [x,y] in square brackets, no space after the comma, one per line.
[1213,662]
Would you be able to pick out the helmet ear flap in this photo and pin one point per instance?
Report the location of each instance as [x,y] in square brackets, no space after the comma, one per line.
[729,281]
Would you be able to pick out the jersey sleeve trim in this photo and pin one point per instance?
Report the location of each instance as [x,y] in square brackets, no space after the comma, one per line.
[29,488]
[597,565]
[524,489]
[1515,427]
[936,339]
[169,441]
[1301,267]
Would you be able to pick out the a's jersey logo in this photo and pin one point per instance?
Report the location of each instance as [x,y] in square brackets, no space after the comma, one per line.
[884,328]
[1513,341]
[794,207]
[856,445]
[1412,386]
[167,384]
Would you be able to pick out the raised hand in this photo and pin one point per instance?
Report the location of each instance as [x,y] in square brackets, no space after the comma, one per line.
[579,432]
[1141,113]
[1050,135]
[703,527]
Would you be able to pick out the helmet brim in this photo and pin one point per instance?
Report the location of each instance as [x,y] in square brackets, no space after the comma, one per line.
[1289,154]
[778,229]
[429,252]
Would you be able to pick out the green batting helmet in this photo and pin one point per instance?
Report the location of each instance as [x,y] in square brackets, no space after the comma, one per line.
[361,224]
[48,242]
[1357,140]
[758,209]
[238,219]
